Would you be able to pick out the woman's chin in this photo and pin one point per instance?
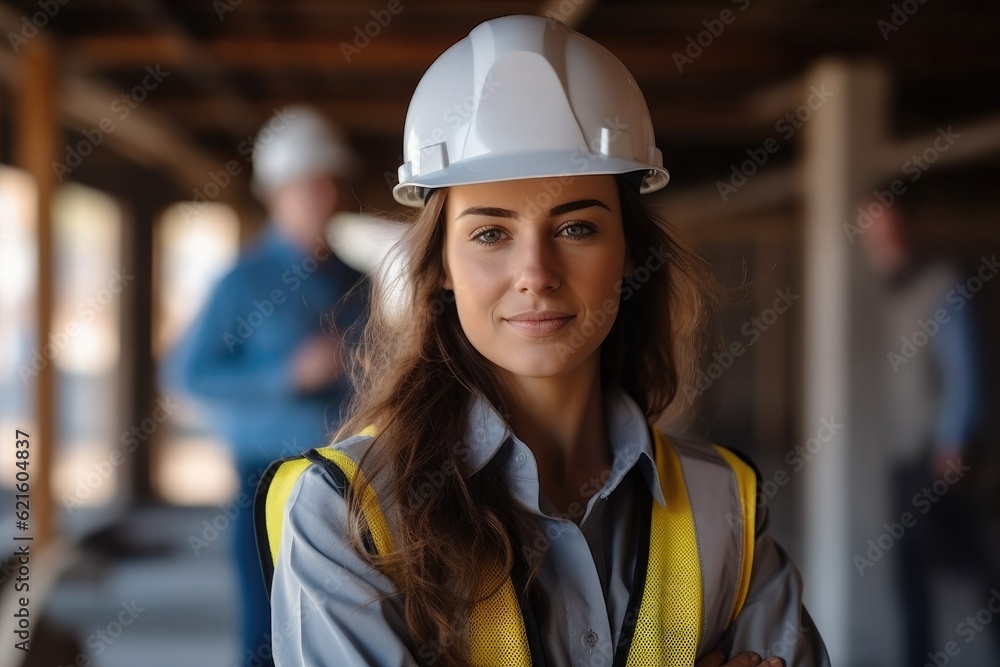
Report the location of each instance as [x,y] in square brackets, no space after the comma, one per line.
[547,364]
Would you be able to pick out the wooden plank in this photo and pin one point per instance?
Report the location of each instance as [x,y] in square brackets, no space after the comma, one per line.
[144,136]
[570,12]
[385,51]
[715,117]
[37,137]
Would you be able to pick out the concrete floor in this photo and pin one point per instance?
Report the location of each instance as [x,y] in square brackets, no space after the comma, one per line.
[167,608]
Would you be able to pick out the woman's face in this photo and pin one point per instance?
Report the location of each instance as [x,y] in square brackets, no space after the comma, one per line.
[536,267]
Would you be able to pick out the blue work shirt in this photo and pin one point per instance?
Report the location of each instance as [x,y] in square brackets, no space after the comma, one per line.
[238,354]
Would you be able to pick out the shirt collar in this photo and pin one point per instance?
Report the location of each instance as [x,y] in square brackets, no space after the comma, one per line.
[630,438]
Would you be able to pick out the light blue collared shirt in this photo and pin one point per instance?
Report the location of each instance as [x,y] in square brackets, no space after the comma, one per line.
[325,611]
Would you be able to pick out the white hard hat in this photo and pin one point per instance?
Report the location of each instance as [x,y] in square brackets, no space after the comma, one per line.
[296,142]
[525,97]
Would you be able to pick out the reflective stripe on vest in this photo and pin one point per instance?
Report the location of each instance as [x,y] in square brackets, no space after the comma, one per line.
[669,623]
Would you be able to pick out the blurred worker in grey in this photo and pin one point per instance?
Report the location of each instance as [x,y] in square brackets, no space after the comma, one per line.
[932,402]
[265,354]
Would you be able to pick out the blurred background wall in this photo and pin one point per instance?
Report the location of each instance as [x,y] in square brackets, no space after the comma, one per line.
[125,134]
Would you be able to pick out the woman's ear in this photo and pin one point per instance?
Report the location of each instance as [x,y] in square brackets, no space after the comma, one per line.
[446,284]
[443,220]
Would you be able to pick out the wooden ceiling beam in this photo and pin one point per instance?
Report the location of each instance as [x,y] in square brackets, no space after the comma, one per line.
[391,53]
[204,72]
[86,102]
[717,118]
[570,12]
[742,54]
[355,116]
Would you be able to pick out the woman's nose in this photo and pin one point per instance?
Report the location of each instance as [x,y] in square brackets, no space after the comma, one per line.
[535,267]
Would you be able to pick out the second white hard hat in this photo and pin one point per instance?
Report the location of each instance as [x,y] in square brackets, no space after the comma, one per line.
[525,97]
[297,142]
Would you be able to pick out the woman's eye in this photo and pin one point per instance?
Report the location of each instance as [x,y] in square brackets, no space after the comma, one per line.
[488,236]
[577,230]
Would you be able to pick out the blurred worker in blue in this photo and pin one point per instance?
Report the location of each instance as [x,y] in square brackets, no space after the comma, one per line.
[931,410]
[266,353]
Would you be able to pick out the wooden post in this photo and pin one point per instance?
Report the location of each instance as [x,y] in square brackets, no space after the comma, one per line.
[36,151]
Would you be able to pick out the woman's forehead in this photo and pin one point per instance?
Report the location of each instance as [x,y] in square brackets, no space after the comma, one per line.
[535,197]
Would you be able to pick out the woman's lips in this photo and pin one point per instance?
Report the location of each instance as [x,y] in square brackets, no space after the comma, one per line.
[539,328]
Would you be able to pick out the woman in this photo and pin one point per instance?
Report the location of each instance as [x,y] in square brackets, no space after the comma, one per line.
[497,495]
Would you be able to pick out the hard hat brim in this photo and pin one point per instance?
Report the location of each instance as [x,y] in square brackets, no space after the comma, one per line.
[493,168]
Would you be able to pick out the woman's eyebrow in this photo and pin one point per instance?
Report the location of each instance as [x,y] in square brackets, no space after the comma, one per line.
[497,212]
[489,210]
[575,205]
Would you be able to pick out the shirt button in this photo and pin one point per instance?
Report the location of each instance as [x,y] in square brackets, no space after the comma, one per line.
[519,459]
[604,496]
[590,638]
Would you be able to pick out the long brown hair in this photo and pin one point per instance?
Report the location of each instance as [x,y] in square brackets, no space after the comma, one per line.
[415,372]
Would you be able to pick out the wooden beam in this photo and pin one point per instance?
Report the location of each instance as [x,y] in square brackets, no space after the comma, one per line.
[38,134]
[388,52]
[570,12]
[967,141]
[353,10]
[143,136]
[704,204]
[354,115]
[83,102]
[718,118]
[226,103]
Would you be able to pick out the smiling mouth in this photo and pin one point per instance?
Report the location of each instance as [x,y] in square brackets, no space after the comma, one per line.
[539,328]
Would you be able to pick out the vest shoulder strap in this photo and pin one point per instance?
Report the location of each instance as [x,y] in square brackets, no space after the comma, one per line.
[270,498]
[507,642]
[275,488]
[746,481]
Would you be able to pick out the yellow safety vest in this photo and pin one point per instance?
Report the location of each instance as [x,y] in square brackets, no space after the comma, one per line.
[668,583]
